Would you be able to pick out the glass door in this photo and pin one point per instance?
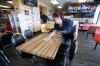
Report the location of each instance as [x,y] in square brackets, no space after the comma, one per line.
[98,19]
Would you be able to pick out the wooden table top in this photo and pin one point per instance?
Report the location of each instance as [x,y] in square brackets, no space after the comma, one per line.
[39,47]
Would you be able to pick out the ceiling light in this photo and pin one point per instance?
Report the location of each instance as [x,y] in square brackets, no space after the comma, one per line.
[10,2]
[54,2]
[5,6]
[59,7]
[81,1]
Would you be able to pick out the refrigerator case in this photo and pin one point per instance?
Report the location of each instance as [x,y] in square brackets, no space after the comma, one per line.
[16,20]
[11,19]
[26,22]
[36,19]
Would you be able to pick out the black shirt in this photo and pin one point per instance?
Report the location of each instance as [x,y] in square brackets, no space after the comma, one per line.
[67,25]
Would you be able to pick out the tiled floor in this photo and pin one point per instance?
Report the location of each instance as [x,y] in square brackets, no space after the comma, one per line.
[85,55]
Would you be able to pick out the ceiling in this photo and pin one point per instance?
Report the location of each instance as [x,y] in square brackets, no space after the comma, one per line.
[4,2]
[62,2]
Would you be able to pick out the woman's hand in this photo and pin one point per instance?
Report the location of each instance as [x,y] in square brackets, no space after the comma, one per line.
[51,35]
[46,39]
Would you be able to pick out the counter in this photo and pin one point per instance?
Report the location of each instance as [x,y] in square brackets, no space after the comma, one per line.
[89,20]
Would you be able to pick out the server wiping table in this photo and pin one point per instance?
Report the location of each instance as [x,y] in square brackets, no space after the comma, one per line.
[69,30]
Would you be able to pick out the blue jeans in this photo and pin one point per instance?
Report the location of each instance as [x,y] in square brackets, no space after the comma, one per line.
[68,39]
[67,42]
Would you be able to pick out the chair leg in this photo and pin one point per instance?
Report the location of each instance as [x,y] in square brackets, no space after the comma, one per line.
[4,62]
[83,31]
[65,60]
[6,59]
[95,46]
[86,35]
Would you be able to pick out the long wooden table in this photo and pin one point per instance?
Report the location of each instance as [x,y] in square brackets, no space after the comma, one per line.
[39,47]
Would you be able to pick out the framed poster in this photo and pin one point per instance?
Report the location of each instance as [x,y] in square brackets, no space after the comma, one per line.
[26,12]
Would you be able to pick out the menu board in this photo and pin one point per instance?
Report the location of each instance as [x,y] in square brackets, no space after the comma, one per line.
[81,7]
[84,8]
[70,8]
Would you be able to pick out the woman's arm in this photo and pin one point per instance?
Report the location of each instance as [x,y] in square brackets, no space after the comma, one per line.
[76,24]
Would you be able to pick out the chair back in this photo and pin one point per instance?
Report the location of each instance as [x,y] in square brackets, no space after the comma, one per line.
[97,35]
[28,34]
[6,38]
[92,29]
[17,39]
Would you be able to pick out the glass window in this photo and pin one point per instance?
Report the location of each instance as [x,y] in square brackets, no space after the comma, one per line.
[98,19]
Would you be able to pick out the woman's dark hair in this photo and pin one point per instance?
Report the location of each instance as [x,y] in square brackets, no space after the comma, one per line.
[56,14]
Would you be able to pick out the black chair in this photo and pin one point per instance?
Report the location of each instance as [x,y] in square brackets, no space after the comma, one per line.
[28,34]
[3,58]
[18,39]
[6,40]
[5,43]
